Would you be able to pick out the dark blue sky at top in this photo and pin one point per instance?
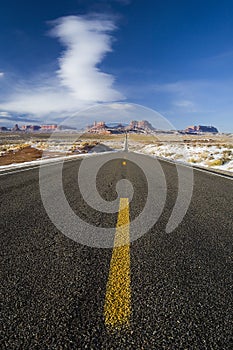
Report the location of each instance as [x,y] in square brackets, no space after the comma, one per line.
[175,56]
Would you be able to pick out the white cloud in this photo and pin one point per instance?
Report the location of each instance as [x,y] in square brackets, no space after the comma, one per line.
[79,82]
[87,41]
[41,102]
[120,106]
[4,114]
[183,95]
[1,74]
[185,104]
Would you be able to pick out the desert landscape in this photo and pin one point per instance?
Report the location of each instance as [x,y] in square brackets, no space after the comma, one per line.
[213,151]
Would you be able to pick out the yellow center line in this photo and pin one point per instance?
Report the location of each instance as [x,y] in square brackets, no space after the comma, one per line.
[117,308]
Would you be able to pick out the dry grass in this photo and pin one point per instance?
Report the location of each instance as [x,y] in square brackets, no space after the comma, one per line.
[146,139]
[194,160]
[216,162]
[20,137]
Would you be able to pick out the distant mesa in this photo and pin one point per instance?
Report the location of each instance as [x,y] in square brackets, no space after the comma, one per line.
[142,125]
[197,129]
[101,127]
[45,127]
[3,128]
[16,128]
[134,126]
[41,128]
[49,127]
[30,127]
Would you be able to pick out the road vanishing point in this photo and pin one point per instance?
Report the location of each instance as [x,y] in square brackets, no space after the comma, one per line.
[161,291]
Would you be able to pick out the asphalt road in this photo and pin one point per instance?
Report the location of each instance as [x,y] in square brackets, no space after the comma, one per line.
[53,289]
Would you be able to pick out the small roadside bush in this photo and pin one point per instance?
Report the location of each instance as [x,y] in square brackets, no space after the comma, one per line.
[216,162]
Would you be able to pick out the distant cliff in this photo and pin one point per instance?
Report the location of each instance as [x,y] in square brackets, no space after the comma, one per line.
[142,126]
[200,129]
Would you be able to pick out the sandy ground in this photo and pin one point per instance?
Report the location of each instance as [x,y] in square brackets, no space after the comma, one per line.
[15,151]
[26,154]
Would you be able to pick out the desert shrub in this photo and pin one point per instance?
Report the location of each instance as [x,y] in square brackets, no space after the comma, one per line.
[219,145]
[194,160]
[204,155]
[226,156]
[168,154]
[228,146]
[216,162]
[83,144]
[227,153]
[178,156]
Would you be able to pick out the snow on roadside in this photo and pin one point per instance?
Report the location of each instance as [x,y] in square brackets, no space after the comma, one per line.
[215,156]
[209,156]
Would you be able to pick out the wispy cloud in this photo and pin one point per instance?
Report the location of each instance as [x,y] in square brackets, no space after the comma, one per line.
[86,42]
[1,74]
[185,104]
[183,95]
[200,101]
[4,114]
[79,81]
[6,117]
[120,106]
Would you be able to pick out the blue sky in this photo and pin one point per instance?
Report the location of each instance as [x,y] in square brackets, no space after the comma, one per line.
[173,56]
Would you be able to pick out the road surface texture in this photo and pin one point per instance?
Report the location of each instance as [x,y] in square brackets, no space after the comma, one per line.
[53,289]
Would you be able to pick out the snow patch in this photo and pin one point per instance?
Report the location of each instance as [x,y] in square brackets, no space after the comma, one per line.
[209,156]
